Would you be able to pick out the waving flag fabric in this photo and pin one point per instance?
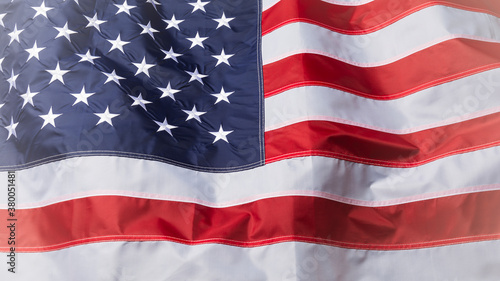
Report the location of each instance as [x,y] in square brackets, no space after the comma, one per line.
[249,140]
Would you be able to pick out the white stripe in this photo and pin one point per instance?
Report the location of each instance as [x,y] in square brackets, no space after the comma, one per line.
[409,35]
[266,4]
[292,261]
[348,2]
[342,181]
[460,100]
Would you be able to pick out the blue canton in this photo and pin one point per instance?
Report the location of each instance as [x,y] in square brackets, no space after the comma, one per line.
[177,81]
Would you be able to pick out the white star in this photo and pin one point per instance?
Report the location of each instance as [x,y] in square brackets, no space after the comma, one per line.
[223,21]
[222,96]
[148,29]
[88,57]
[118,44]
[171,54]
[143,67]
[139,101]
[223,58]
[64,31]
[1,19]
[106,117]
[124,8]
[199,5]
[194,114]
[12,128]
[94,22]
[82,97]
[57,74]
[12,80]
[196,76]
[49,118]
[173,23]
[14,35]
[154,3]
[164,126]
[197,41]
[28,97]
[34,52]
[42,10]
[221,135]
[113,77]
[168,92]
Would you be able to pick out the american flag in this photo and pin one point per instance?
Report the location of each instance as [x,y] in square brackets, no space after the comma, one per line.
[250,140]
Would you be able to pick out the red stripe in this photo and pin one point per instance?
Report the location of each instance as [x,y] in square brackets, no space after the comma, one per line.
[435,65]
[442,221]
[361,19]
[347,142]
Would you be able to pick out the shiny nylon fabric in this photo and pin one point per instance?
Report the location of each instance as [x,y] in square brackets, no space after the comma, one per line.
[336,200]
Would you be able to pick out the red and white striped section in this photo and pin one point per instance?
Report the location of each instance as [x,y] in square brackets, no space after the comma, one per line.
[357,17]
[459,100]
[444,221]
[414,33]
[291,261]
[401,96]
[342,181]
[382,151]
